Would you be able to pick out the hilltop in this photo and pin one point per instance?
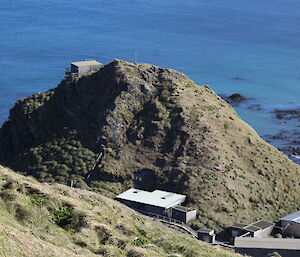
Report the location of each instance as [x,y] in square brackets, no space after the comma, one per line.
[55,220]
[158,130]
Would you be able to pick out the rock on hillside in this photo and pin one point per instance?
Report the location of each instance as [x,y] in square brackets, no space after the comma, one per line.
[158,130]
[55,220]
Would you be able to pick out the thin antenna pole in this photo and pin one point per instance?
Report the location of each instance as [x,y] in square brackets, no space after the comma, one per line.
[135,57]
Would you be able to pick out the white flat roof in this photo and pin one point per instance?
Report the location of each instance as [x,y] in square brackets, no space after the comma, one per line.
[156,198]
[86,63]
[269,243]
[292,217]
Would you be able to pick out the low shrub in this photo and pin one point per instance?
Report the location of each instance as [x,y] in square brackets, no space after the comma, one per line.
[67,218]
[38,199]
[141,240]
[63,216]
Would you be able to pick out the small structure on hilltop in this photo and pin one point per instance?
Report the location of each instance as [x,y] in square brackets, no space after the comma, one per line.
[158,202]
[81,68]
[290,224]
[258,229]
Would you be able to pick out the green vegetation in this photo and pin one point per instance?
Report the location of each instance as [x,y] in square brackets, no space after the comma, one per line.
[159,130]
[62,160]
[62,216]
[40,220]
[37,199]
[139,241]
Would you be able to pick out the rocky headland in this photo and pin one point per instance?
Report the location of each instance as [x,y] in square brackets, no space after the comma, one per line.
[156,129]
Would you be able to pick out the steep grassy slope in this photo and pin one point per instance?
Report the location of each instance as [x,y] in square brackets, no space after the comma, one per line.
[55,220]
[159,130]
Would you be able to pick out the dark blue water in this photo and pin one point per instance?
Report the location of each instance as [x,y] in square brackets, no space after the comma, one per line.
[211,41]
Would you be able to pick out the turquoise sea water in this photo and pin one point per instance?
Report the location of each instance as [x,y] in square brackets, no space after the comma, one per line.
[211,41]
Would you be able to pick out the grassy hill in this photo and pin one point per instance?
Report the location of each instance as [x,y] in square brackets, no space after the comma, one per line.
[159,130]
[55,220]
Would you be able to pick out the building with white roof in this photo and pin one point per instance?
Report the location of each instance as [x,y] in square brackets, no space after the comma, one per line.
[157,202]
[290,224]
[84,67]
[157,198]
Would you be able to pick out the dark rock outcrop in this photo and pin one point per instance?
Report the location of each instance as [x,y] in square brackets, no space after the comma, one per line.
[287,114]
[234,99]
[238,78]
[237,97]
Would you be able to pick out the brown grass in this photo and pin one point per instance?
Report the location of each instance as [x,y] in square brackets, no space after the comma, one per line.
[108,229]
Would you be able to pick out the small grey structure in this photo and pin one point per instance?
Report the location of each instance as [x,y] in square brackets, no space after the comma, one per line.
[158,202]
[262,247]
[183,213]
[258,229]
[84,67]
[206,235]
[290,224]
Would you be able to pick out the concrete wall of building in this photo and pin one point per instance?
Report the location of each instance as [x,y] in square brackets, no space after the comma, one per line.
[206,237]
[257,252]
[184,216]
[261,247]
[264,232]
[86,69]
[292,228]
[191,215]
[81,70]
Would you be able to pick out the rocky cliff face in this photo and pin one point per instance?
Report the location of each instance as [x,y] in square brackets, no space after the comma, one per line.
[158,129]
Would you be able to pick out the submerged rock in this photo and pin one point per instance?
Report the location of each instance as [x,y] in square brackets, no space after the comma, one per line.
[238,78]
[234,99]
[287,114]
[237,97]
[256,107]
[288,141]
[296,150]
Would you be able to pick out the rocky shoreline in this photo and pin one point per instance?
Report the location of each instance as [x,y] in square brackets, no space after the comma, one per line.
[286,140]
[289,142]
[287,114]
[234,99]
[291,138]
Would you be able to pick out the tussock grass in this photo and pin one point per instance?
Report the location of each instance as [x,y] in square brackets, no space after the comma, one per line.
[160,131]
[55,220]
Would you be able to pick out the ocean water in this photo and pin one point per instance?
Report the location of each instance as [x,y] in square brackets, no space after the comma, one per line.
[211,41]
